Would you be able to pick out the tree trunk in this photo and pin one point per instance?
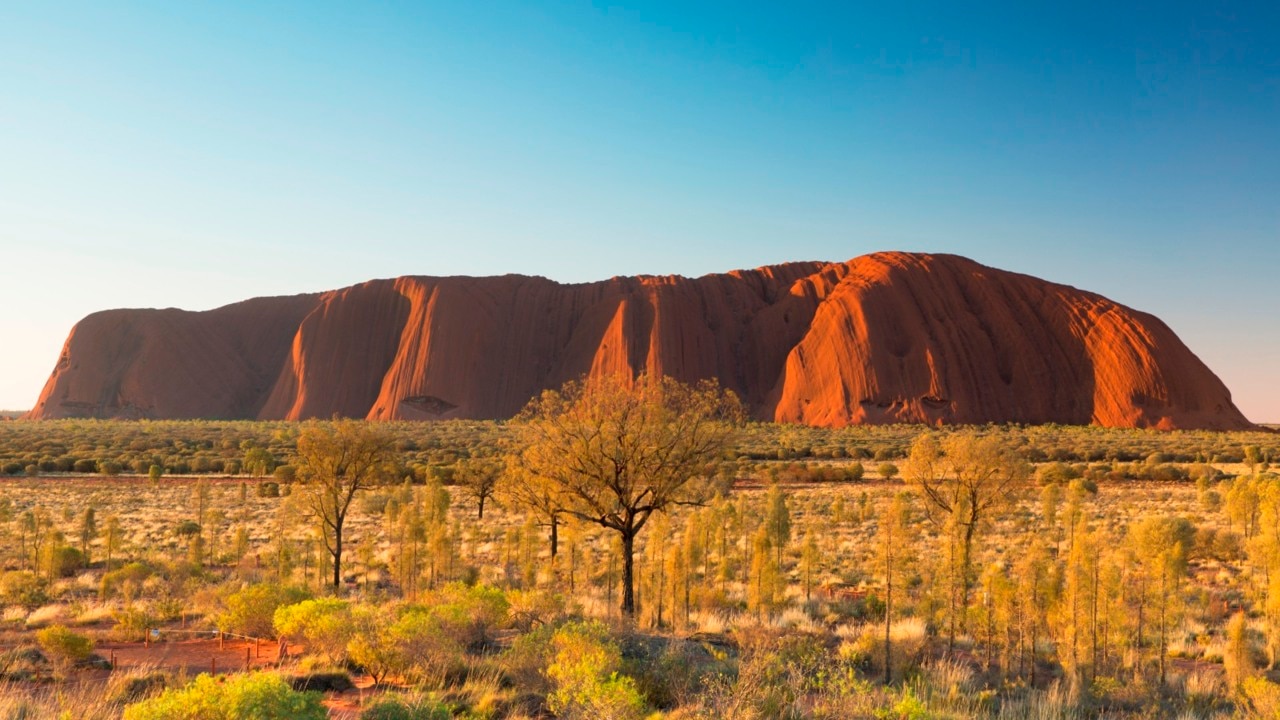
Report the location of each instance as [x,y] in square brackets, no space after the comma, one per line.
[966,589]
[951,595]
[1164,603]
[555,537]
[1093,622]
[337,557]
[480,515]
[628,572]
[888,620]
[1142,604]
[1034,637]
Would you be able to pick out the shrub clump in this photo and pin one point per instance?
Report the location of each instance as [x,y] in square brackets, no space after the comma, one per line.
[63,647]
[262,696]
[394,707]
[584,675]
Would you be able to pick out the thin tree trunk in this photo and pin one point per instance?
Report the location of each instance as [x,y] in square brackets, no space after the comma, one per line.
[888,618]
[337,556]
[1093,624]
[1164,602]
[628,574]
[555,536]
[966,560]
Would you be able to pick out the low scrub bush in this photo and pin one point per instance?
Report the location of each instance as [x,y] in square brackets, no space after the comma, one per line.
[260,696]
[396,707]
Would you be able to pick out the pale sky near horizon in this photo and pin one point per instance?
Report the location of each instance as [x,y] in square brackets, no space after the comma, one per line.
[171,154]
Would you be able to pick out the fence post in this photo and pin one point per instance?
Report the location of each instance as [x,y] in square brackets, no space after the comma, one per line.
[221,640]
[247,663]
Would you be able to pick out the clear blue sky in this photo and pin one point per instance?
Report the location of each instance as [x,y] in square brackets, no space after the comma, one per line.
[191,155]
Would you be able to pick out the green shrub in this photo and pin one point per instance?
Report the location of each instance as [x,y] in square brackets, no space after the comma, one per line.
[132,624]
[251,610]
[63,560]
[126,580]
[64,647]
[411,642]
[469,613]
[136,687]
[392,707]
[584,675]
[324,625]
[260,696]
[25,588]
[325,681]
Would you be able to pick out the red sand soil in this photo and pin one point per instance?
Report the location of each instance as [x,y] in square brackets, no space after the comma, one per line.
[192,656]
[233,655]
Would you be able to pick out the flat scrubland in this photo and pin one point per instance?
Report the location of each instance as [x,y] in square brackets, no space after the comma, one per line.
[1118,574]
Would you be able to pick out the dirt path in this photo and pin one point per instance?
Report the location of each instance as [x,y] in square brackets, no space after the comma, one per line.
[192,656]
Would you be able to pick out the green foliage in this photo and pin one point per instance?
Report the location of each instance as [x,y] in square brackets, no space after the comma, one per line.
[322,681]
[251,610]
[1092,577]
[469,613]
[410,642]
[187,529]
[132,624]
[62,560]
[256,696]
[584,675]
[323,624]
[424,640]
[395,707]
[1166,541]
[25,588]
[64,647]
[126,580]
[908,707]
[259,461]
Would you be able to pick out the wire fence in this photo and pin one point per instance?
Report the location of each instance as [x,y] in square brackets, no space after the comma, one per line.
[253,649]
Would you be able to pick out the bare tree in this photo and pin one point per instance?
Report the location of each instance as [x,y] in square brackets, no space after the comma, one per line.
[535,494]
[615,451]
[335,461]
[478,478]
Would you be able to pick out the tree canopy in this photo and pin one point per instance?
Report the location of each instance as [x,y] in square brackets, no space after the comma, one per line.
[335,461]
[614,451]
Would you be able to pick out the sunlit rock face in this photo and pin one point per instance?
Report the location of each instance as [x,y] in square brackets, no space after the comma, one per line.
[883,338]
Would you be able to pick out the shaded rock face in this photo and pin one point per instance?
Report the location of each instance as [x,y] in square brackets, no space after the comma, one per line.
[889,337]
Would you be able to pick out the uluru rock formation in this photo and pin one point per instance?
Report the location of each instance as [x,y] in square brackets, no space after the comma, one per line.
[888,337]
